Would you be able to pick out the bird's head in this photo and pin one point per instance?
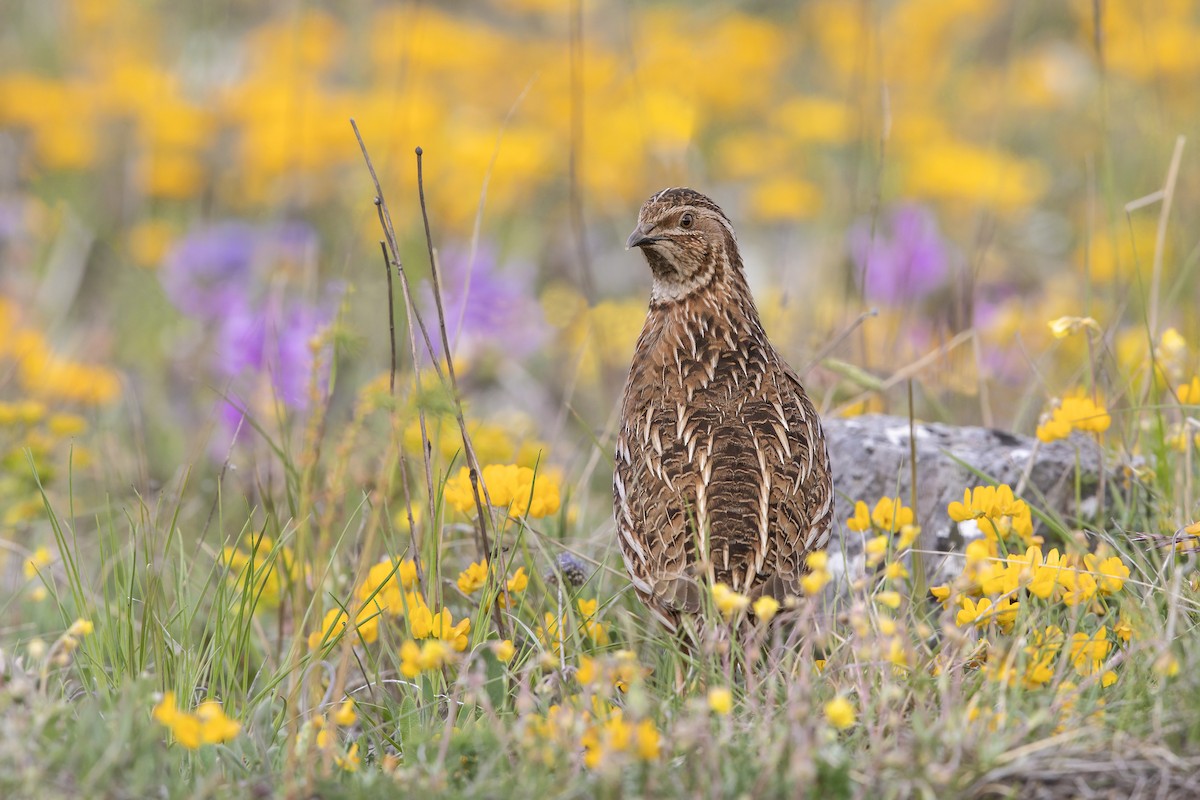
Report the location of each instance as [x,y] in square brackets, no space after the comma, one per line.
[687,240]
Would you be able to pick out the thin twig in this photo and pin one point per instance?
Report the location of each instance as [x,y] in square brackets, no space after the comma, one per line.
[387,268]
[478,488]
[411,314]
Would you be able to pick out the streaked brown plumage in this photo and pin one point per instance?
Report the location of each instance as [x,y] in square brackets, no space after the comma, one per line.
[722,473]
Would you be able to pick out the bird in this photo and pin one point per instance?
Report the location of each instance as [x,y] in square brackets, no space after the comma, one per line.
[721,471]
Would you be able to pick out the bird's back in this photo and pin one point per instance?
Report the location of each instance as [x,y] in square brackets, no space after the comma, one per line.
[721,467]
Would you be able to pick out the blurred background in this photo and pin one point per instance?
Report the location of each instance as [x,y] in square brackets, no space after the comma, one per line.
[189,251]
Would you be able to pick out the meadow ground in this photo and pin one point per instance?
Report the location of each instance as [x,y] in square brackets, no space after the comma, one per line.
[243,556]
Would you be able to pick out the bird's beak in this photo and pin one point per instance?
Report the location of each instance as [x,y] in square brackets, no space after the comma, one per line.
[641,237]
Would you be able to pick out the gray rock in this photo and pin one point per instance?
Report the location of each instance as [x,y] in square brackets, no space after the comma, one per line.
[871,456]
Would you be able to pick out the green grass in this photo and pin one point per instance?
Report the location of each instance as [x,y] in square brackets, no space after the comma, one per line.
[170,614]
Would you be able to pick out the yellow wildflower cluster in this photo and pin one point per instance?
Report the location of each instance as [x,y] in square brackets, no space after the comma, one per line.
[1070,579]
[607,739]
[425,657]
[266,570]
[493,442]
[520,489]
[815,580]
[326,738]
[45,375]
[618,670]
[890,515]
[1073,413]
[996,512]
[388,590]
[207,725]
[475,576]
[425,624]
[1085,654]
[554,630]
[993,592]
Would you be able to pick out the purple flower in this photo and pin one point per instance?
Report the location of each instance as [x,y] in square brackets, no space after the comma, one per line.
[213,271]
[906,259]
[233,277]
[485,310]
[274,340]
[14,218]
[210,270]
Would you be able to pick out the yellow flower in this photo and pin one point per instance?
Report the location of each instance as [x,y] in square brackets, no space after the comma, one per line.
[66,425]
[1040,576]
[334,624]
[473,577]
[839,712]
[504,650]
[1167,665]
[613,735]
[425,624]
[1080,586]
[37,562]
[861,520]
[215,727]
[1189,393]
[387,583]
[720,700]
[184,726]
[908,535]
[345,714]
[519,488]
[727,601]
[459,493]
[765,608]
[1063,327]
[351,761]
[647,740]
[996,511]
[890,514]
[889,599]
[427,656]
[875,549]
[814,582]
[587,608]
[536,495]
[895,570]
[1089,651]
[208,725]
[1112,573]
[519,581]
[818,560]
[81,627]
[1074,412]
[1003,612]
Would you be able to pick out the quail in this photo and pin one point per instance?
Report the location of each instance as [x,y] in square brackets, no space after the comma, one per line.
[721,471]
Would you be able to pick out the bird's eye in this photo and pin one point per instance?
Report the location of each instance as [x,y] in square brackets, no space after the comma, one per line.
[685,221]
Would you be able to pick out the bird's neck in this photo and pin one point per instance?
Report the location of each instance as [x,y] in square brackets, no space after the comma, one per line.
[719,308]
[721,277]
